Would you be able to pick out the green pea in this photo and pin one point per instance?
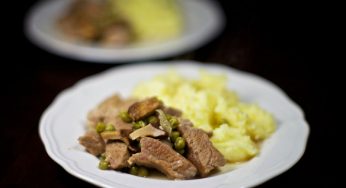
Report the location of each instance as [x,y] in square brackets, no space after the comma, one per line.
[153,120]
[179,143]
[174,136]
[109,127]
[142,171]
[141,123]
[103,165]
[100,127]
[102,156]
[138,124]
[125,117]
[174,122]
[134,170]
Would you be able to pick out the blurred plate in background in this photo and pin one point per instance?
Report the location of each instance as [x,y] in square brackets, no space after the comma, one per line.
[203,20]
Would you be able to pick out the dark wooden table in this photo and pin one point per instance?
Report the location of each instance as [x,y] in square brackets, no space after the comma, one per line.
[271,40]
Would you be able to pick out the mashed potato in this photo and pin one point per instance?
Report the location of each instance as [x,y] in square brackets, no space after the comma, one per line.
[152,20]
[236,126]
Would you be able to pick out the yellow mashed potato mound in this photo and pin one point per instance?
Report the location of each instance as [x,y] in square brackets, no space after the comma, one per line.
[153,20]
[237,127]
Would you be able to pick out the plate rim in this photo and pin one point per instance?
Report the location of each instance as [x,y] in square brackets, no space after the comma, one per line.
[260,179]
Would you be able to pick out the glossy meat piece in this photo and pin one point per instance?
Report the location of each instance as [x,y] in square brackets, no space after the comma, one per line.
[201,151]
[144,108]
[93,143]
[117,155]
[158,155]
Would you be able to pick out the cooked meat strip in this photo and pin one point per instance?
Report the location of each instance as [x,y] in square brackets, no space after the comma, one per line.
[185,122]
[116,35]
[167,142]
[110,136]
[144,108]
[95,21]
[172,111]
[109,108]
[79,21]
[158,155]
[124,128]
[108,112]
[201,151]
[93,143]
[117,155]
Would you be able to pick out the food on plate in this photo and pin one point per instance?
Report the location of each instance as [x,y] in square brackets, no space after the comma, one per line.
[184,128]
[137,136]
[237,127]
[121,22]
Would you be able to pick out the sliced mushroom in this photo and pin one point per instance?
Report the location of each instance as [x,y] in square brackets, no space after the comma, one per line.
[165,124]
[148,130]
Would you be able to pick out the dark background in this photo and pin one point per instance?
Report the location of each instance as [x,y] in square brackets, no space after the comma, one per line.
[280,41]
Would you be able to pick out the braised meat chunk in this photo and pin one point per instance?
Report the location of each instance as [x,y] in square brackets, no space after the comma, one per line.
[201,151]
[172,111]
[106,108]
[93,143]
[108,112]
[158,155]
[94,21]
[124,128]
[117,155]
[144,108]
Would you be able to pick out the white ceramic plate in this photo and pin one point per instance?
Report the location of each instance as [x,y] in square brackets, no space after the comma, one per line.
[203,21]
[64,121]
